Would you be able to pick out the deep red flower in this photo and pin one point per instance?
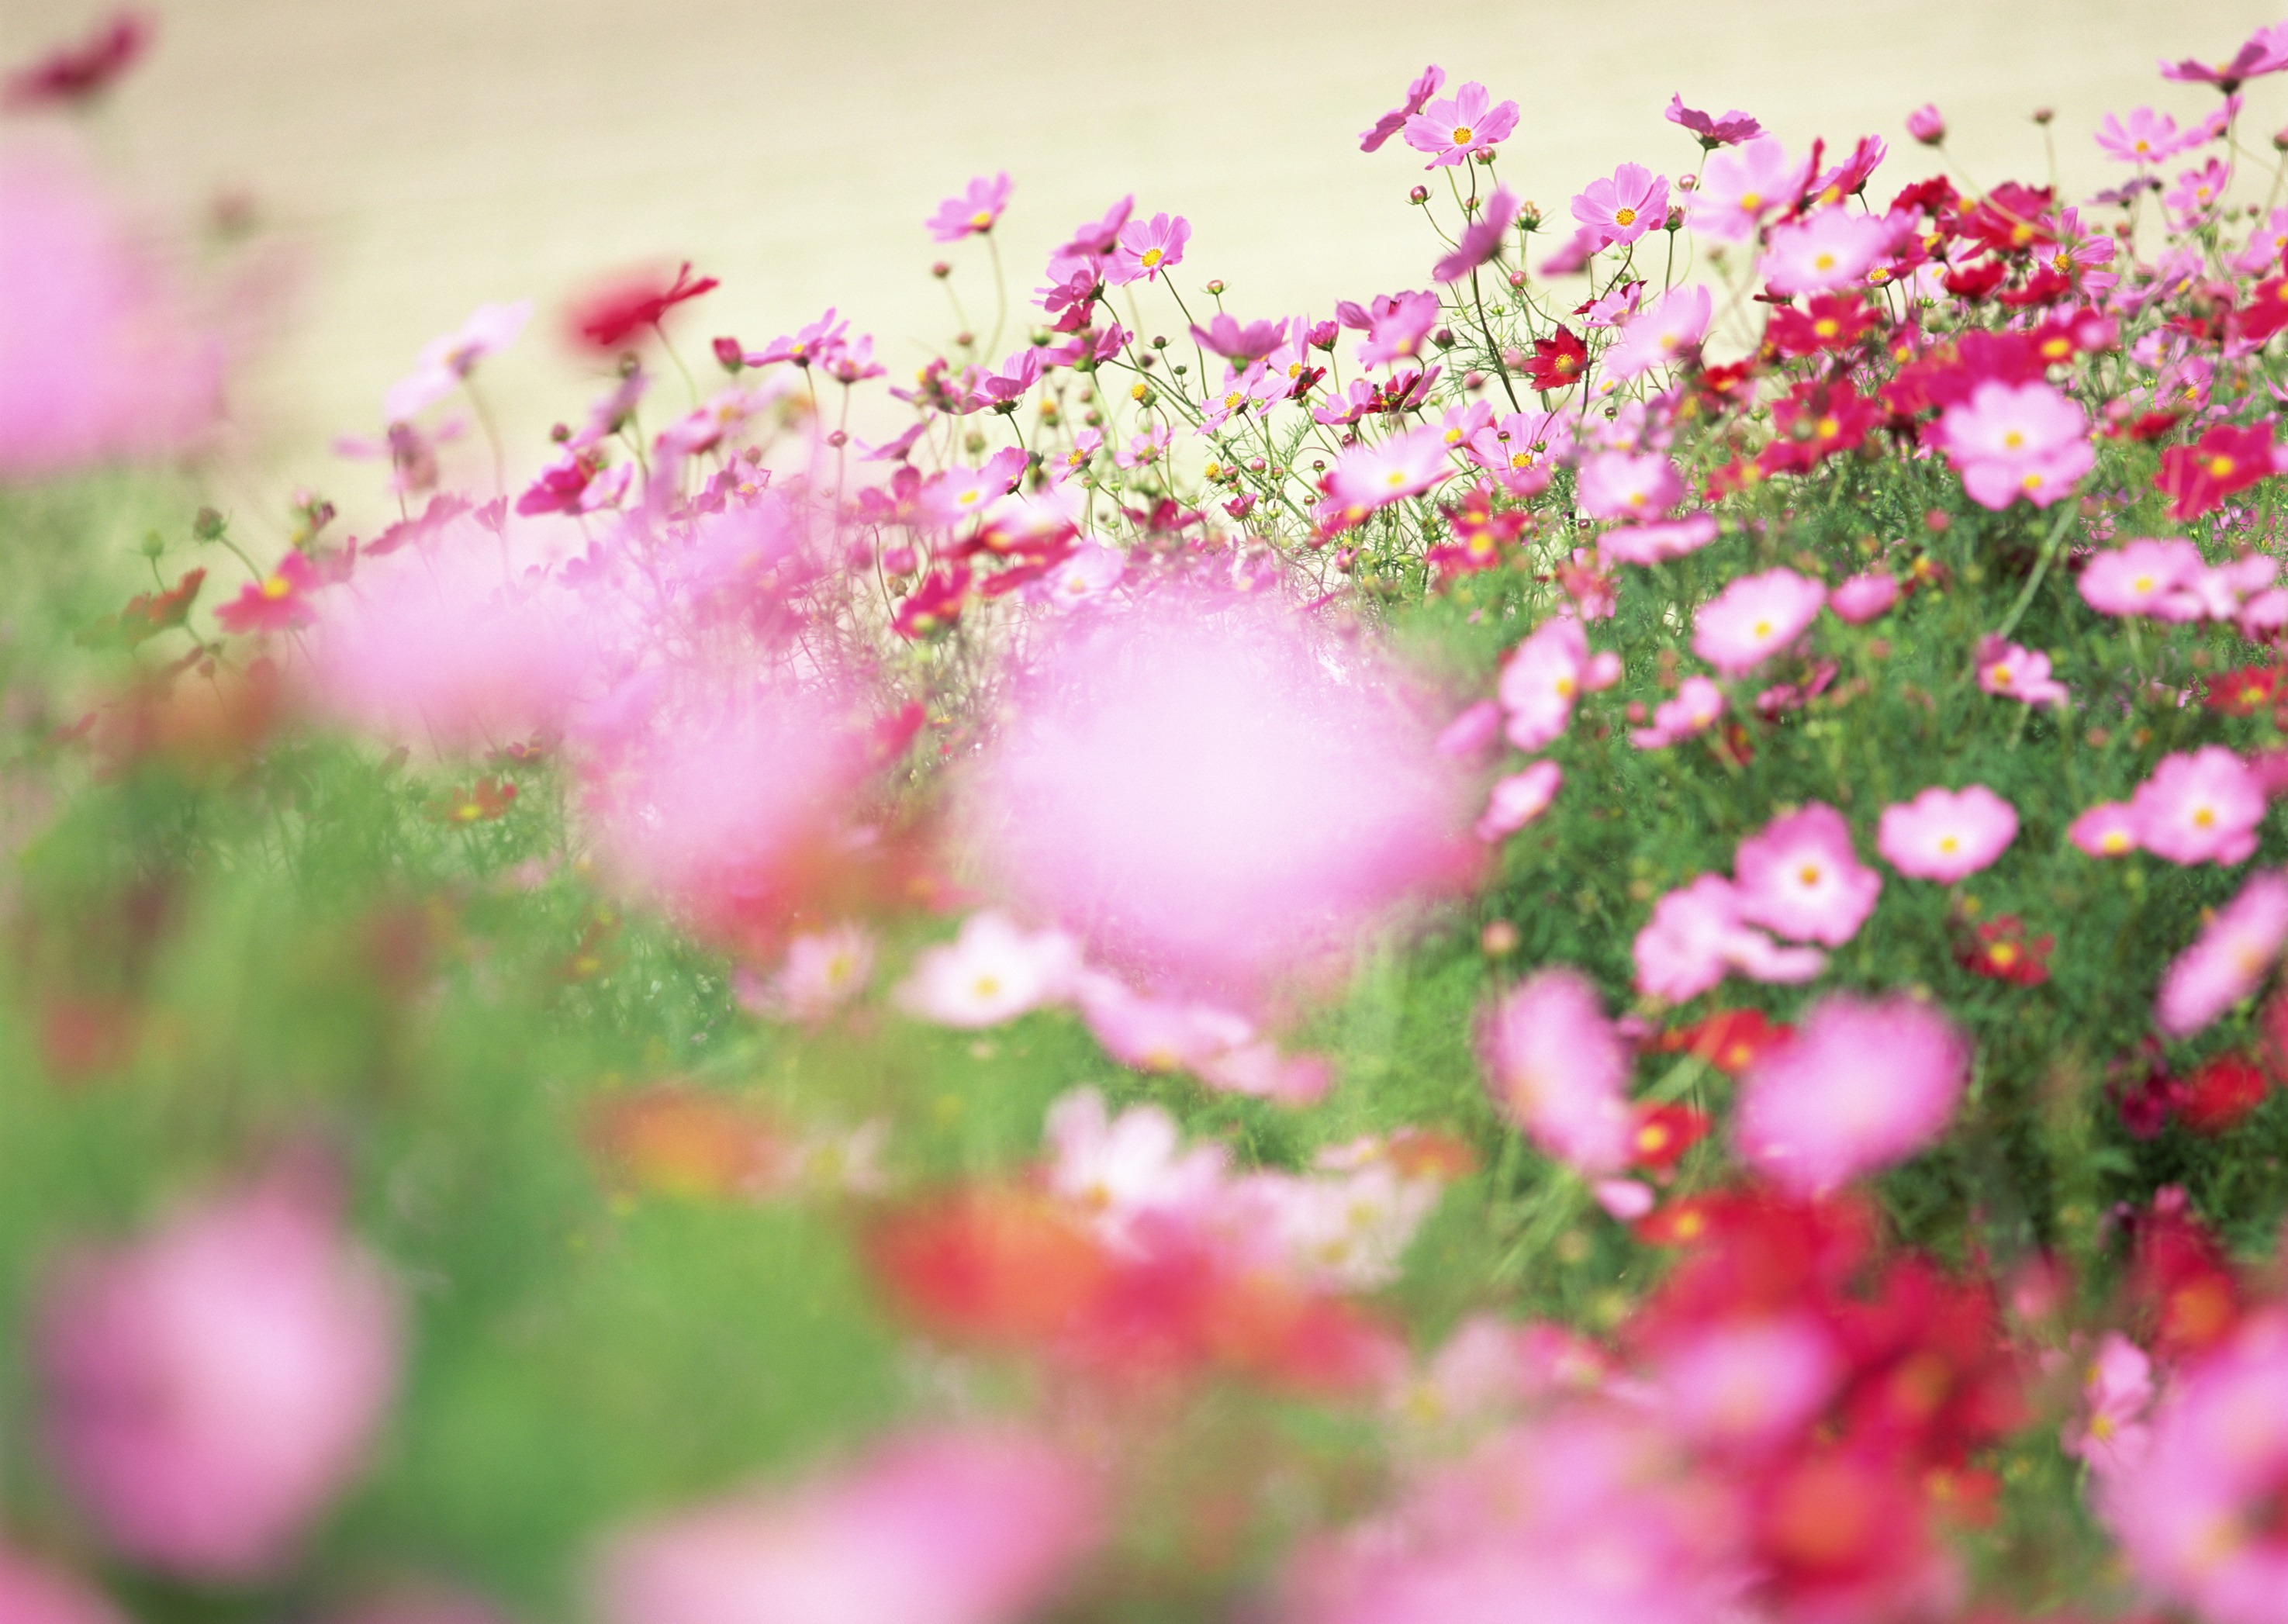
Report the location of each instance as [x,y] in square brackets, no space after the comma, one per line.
[2225,1091]
[2181,1289]
[2012,219]
[608,319]
[80,73]
[1557,362]
[935,605]
[1833,322]
[2242,691]
[1976,280]
[1815,422]
[1660,1135]
[2265,313]
[2001,951]
[1730,1040]
[2196,478]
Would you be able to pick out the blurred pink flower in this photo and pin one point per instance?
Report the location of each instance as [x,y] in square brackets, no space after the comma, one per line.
[1946,835]
[1130,1170]
[1753,618]
[1396,327]
[1375,473]
[2145,577]
[1517,800]
[1558,1070]
[1659,540]
[1800,878]
[2010,440]
[992,972]
[2011,671]
[1863,1084]
[1696,936]
[1629,485]
[2201,807]
[823,971]
[1481,239]
[1157,1035]
[2111,1433]
[1198,841]
[973,213]
[1624,205]
[212,1387]
[967,1526]
[2198,1510]
[1864,598]
[33,1593]
[1466,121]
[2145,136]
[101,358]
[1665,333]
[1831,248]
[278,602]
[1418,95]
[1737,189]
[2230,960]
[1747,1384]
[1698,706]
[444,362]
[1542,680]
[2108,829]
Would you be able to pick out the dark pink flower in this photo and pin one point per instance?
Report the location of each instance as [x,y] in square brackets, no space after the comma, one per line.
[33,1593]
[71,75]
[973,211]
[1713,132]
[1099,238]
[1481,239]
[1149,247]
[1391,122]
[278,602]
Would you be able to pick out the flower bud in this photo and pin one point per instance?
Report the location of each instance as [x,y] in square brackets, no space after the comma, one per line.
[941,270]
[729,356]
[1418,196]
[1927,125]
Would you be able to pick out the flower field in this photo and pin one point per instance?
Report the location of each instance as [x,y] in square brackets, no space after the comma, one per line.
[1596,941]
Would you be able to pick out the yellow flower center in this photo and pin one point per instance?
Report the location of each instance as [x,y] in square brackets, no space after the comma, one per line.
[276,587]
[2115,841]
[1808,875]
[1625,217]
[2221,467]
[1150,257]
[1763,628]
[1464,135]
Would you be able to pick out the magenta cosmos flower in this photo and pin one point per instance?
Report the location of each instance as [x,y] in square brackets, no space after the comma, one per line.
[211,1388]
[1558,1070]
[1946,835]
[1466,121]
[1800,878]
[2201,807]
[2231,958]
[974,211]
[966,1526]
[1418,97]
[1375,473]
[1663,333]
[1737,189]
[1625,205]
[2010,440]
[1864,1084]
[1864,598]
[2145,577]
[1149,247]
[1753,618]
[2009,670]
[2109,829]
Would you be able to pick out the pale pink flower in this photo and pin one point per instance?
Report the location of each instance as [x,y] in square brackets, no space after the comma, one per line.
[1864,598]
[1832,249]
[2010,440]
[1558,1070]
[2145,136]
[1663,333]
[444,362]
[1261,1071]
[1696,936]
[1129,797]
[1148,1034]
[1629,485]
[1375,473]
[1659,540]
[2111,1433]
[1342,1229]
[1472,734]
[1088,572]
[2197,1511]
[1753,618]
[31,1593]
[2013,671]
[973,213]
[961,1525]
[1397,328]
[823,971]
[1542,680]
[1698,706]
[212,1387]
[1625,205]
[1800,878]
[2108,829]
[1747,1384]
[2145,577]
[1130,1170]
[2230,960]
[2201,807]
[993,971]
[1863,1085]
[1450,130]
[1739,188]
[1517,800]
[1946,835]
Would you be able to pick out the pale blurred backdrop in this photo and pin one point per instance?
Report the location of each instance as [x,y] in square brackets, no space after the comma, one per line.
[429,154]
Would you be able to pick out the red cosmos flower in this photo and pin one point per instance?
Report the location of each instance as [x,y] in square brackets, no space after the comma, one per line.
[1481,532]
[2224,1091]
[2012,219]
[2001,951]
[609,318]
[278,602]
[1730,1040]
[73,74]
[935,605]
[1815,422]
[2242,691]
[2266,312]
[1833,322]
[1977,279]
[2196,478]
[1557,362]
[2180,1286]
[1660,1135]
[486,799]
[146,615]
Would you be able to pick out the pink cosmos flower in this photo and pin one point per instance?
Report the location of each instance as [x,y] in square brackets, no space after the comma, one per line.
[278,602]
[1148,1034]
[1831,248]
[1739,188]
[2201,807]
[1696,936]
[1397,326]
[1665,333]
[2145,136]
[1558,1070]
[1753,618]
[1213,844]
[2197,1511]
[1658,541]
[212,1387]
[992,972]
[2010,440]
[2145,577]
[1089,572]
[2111,1433]
[1946,835]
[1926,124]
[1517,800]
[106,359]
[1375,473]
[1864,1084]
[1468,121]
[2230,960]
[1481,239]
[2011,671]
[1625,205]
[1628,485]
[1542,679]
[1713,131]
[1799,876]
[973,213]
[960,1526]
[1698,705]
[2109,829]
[1418,96]
[1747,1384]
[31,1593]
[1149,247]
[823,971]
[1864,598]
[444,362]
[1130,1170]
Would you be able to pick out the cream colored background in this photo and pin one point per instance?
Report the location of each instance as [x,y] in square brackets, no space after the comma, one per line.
[431,154]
